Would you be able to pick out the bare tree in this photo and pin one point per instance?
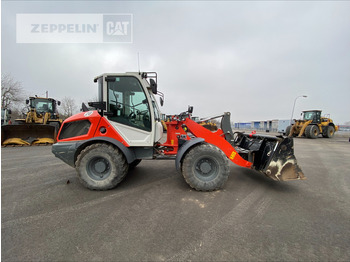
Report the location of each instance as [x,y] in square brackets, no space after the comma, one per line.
[11,91]
[68,107]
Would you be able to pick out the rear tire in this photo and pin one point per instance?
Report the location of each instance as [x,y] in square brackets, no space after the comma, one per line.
[205,167]
[101,167]
[312,131]
[328,132]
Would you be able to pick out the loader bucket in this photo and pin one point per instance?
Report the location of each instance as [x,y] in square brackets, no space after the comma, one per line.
[27,134]
[273,156]
[283,165]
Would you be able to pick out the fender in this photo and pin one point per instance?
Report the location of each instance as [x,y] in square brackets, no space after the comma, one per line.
[128,153]
[183,149]
[68,151]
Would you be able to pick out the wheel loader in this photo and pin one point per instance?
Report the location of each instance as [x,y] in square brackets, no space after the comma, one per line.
[312,125]
[103,144]
[206,122]
[40,125]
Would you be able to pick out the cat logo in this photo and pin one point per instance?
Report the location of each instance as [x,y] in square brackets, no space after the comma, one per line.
[117,28]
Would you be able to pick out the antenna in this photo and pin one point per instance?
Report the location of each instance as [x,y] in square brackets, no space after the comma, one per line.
[138,61]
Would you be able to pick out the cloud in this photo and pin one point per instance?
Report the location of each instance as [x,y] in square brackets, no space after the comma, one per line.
[250,58]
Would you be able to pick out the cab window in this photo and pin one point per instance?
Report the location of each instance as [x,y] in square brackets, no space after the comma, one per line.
[128,103]
[42,105]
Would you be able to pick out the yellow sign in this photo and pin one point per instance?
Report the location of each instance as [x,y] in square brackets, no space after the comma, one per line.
[233,154]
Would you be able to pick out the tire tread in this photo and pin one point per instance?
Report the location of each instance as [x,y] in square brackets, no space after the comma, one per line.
[117,157]
[196,183]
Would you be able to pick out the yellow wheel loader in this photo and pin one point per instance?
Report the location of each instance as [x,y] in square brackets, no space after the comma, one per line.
[312,125]
[209,125]
[40,126]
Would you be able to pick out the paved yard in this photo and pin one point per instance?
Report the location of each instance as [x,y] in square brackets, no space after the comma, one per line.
[153,215]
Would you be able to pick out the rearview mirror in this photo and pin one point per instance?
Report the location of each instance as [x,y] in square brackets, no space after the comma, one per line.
[98,105]
[161,101]
[153,86]
[190,109]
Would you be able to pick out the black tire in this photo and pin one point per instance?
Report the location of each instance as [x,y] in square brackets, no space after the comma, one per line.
[205,167]
[288,130]
[312,131]
[328,132]
[101,166]
[307,131]
[134,163]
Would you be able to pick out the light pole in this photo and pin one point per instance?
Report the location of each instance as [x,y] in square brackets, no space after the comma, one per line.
[295,100]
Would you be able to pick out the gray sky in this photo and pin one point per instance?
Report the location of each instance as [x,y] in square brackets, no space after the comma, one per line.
[250,58]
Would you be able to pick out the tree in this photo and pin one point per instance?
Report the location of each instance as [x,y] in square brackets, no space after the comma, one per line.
[11,91]
[68,107]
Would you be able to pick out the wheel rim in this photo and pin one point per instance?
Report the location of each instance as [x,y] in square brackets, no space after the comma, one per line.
[98,168]
[331,132]
[206,169]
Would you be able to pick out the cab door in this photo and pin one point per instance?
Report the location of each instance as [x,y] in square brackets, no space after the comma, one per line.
[129,110]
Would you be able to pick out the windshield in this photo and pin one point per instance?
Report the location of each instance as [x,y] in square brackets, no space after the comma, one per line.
[309,115]
[42,105]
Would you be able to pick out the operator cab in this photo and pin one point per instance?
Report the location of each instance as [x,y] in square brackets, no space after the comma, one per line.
[43,105]
[314,115]
[130,106]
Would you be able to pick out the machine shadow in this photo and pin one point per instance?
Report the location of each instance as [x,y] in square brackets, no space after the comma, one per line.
[245,175]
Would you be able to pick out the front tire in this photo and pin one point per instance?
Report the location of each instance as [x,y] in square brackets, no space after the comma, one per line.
[205,167]
[312,131]
[101,166]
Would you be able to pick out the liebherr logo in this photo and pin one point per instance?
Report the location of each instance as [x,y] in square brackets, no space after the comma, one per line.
[74,28]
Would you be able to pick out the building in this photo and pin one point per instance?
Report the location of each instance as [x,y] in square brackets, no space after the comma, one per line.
[274,125]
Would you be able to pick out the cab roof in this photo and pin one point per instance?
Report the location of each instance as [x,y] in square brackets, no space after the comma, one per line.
[312,111]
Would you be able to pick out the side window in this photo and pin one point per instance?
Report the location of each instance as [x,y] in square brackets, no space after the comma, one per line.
[128,103]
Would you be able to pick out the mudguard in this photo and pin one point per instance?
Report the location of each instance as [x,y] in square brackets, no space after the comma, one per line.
[68,151]
[183,149]
[128,153]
